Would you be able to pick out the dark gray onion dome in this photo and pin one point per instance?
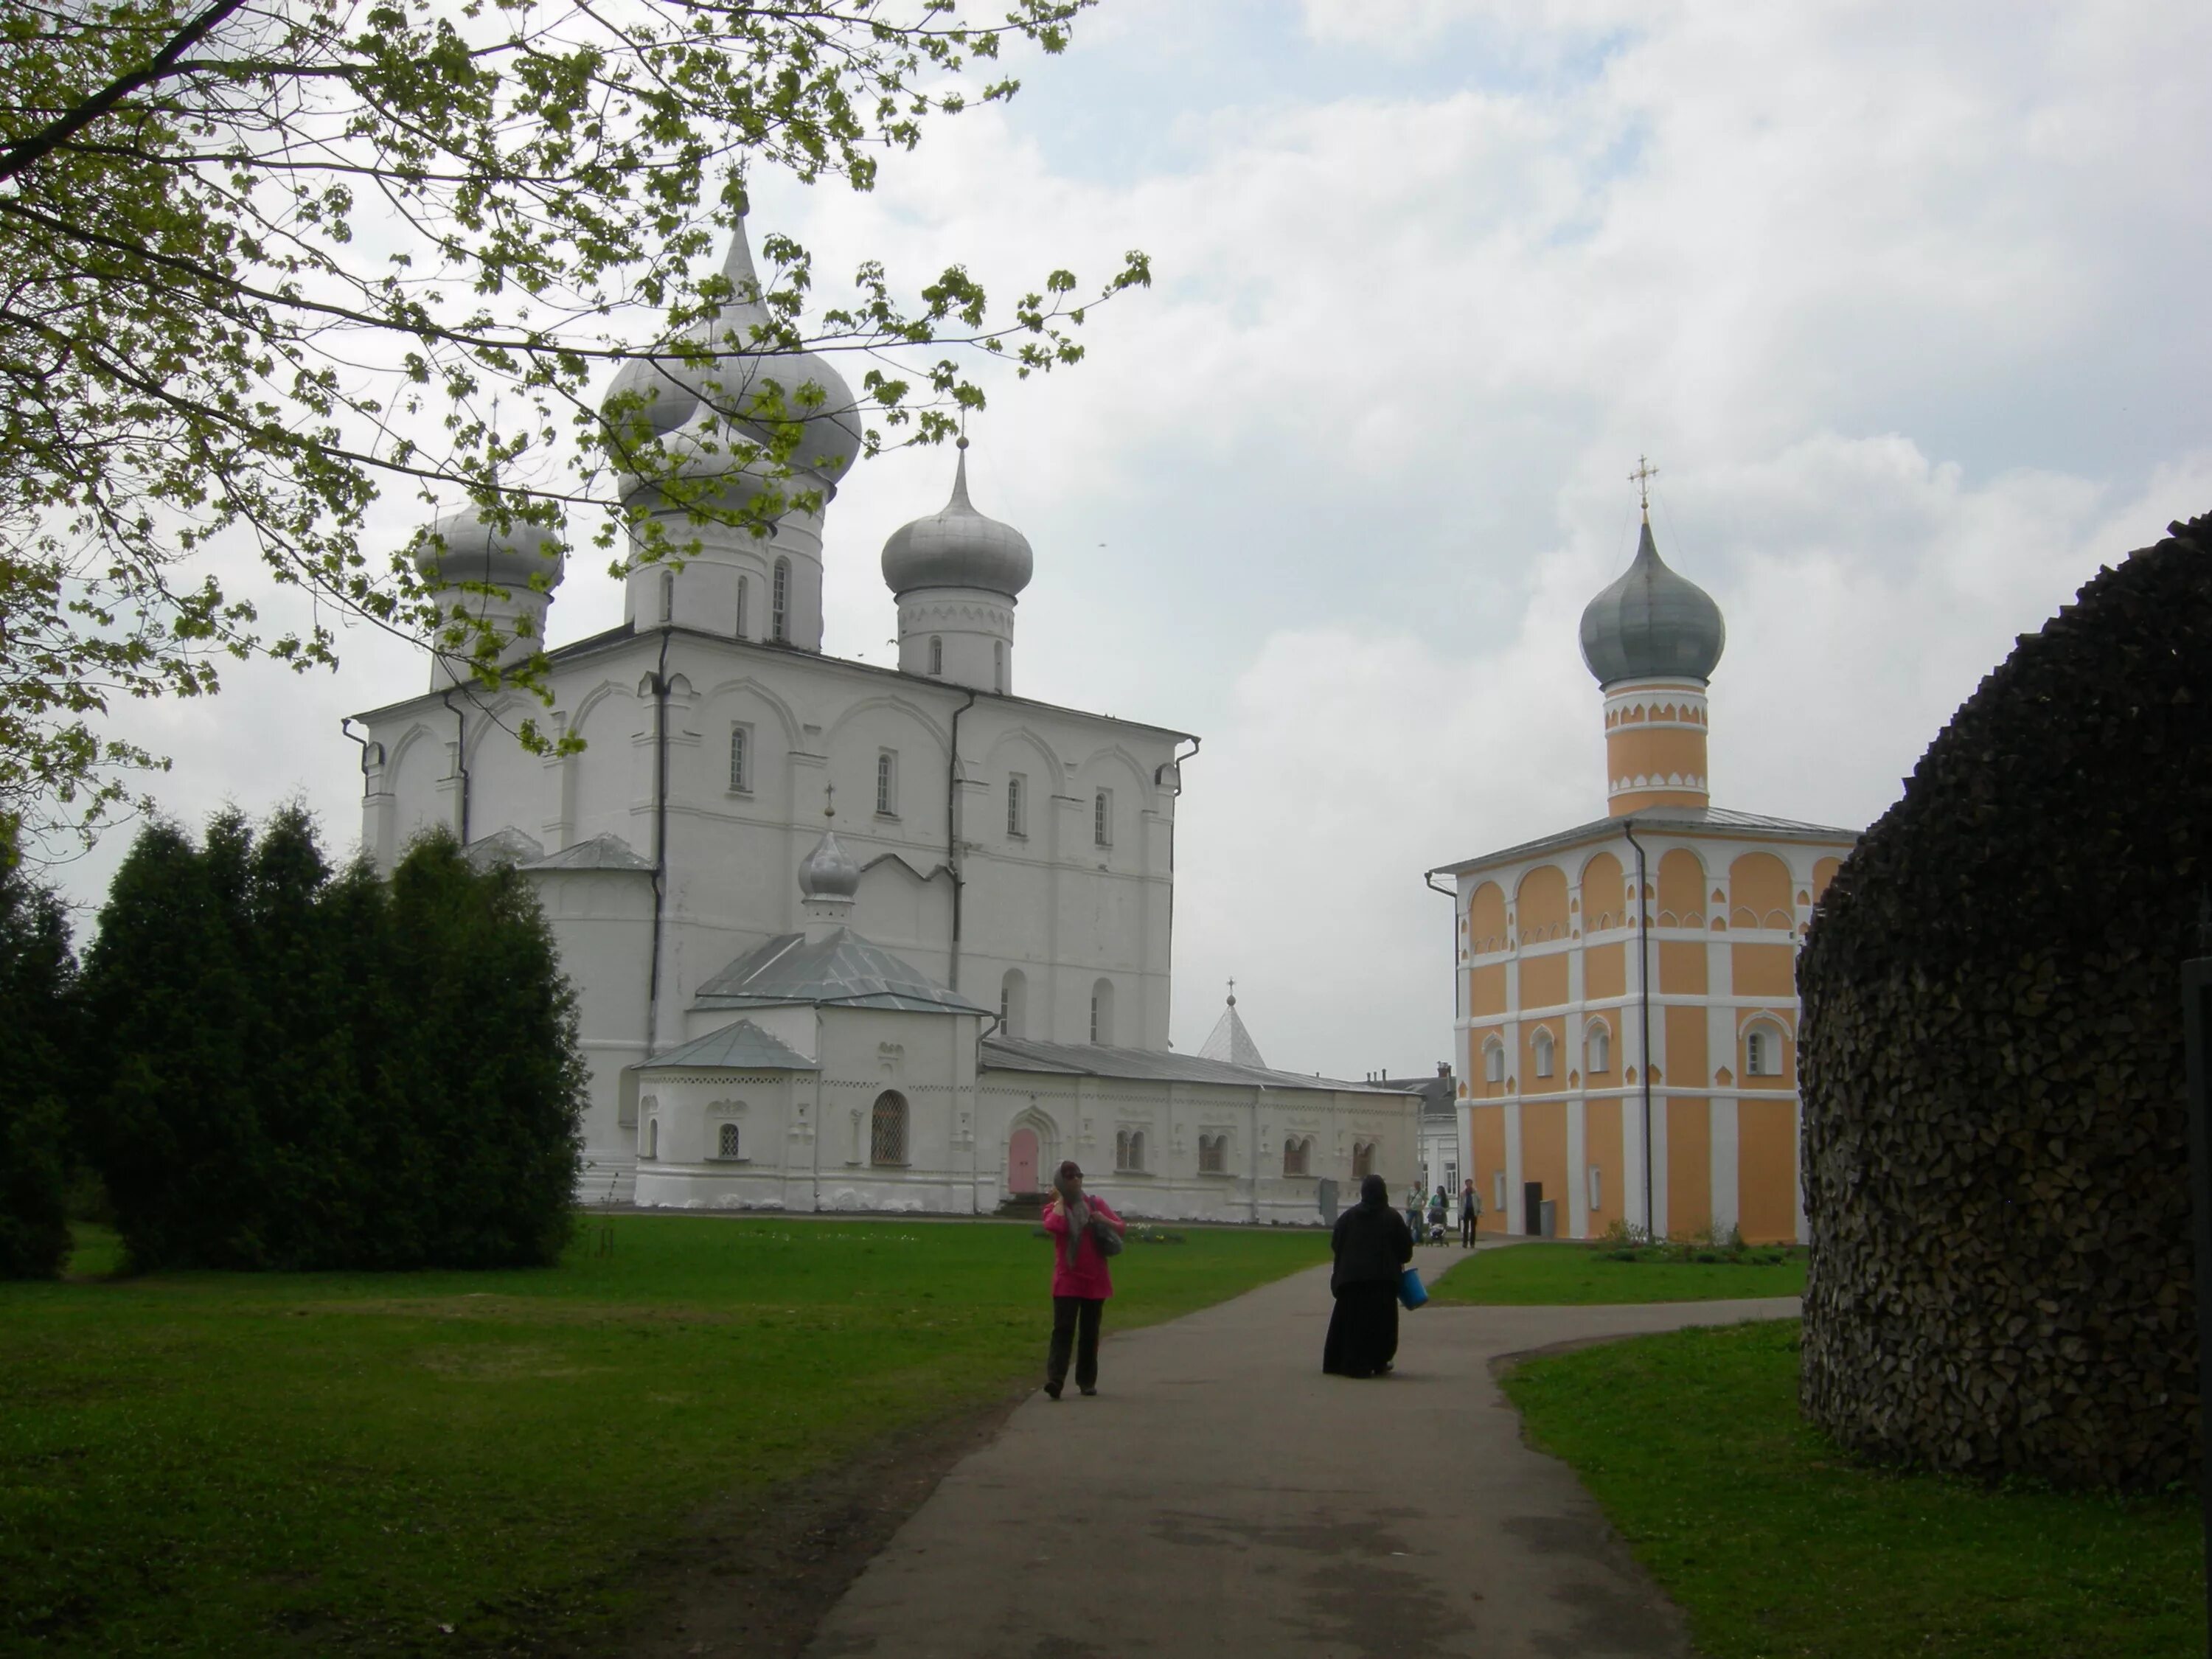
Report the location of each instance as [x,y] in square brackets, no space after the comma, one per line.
[828,871]
[462,548]
[958,547]
[1652,624]
[735,380]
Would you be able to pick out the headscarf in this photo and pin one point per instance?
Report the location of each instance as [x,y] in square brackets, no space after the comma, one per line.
[1375,1193]
[1067,1181]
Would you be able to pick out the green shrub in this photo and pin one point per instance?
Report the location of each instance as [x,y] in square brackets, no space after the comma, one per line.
[37,976]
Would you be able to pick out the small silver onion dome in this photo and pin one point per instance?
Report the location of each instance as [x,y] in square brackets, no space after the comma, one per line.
[958,547]
[463,549]
[1652,624]
[828,871]
[734,380]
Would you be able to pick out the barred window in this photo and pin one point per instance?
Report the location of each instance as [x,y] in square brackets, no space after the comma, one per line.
[886,784]
[936,655]
[1016,807]
[741,759]
[725,1141]
[887,1130]
[1102,818]
[779,616]
[1212,1154]
[1122,1149]
[1101,1011]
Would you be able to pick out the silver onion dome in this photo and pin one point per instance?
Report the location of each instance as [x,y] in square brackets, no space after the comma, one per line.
[752,389]
[1652,624]
[462,548]
[828,871]
[958,547]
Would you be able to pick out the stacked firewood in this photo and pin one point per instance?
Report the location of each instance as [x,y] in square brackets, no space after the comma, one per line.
[1996,1147]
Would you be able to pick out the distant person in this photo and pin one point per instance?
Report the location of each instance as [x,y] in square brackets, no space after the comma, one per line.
[1413,1209]
[1439,1213]
[1080,1283]
[1470,1211]
[1372,1244]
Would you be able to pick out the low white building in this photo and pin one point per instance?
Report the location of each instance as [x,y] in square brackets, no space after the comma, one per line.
[1013,860]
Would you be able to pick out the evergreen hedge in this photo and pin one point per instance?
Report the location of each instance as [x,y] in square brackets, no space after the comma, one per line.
[300,1069]
[1996,1144]
[37,975]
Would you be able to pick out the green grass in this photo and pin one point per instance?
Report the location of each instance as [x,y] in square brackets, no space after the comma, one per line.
[1539,1274]
[1779,1547]
[207,1463]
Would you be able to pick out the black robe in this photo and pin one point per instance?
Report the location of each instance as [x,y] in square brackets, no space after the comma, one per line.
[1372,1245]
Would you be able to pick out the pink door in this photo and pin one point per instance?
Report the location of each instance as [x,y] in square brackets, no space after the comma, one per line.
[1022,1161]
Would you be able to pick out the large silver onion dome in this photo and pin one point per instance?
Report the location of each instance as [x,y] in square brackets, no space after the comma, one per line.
[736,379]
[463,549]
[958,547]
[828,871]
[1652,624]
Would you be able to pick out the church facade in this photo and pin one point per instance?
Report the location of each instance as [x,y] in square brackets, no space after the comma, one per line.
[842,936]
[1626,997]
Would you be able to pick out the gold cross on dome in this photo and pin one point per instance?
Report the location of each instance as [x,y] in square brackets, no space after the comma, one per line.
[1642,478]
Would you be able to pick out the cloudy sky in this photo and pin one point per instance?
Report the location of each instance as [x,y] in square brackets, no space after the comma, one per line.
[1906,302]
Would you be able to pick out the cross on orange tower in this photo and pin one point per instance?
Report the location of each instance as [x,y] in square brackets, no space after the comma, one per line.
[1642,478]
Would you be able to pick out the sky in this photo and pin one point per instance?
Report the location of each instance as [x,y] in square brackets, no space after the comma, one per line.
[1904,302]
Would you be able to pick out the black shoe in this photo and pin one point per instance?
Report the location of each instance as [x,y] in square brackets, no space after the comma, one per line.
[1053,1389]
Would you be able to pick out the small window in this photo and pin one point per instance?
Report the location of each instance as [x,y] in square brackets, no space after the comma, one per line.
[1101,1011]
[887,783]
[779,612]
[1762,1053]
[1598,1049]
[1541,1048]
[1016,807]
[741,760]
[1212,1154]
[1102,818]
[936,655]
[667,596]
[887,1130]
[1129,1151]
[1122,1149]
[1363,1159]
[998,665]
[726,1140]
[653,1136]
[1596,1187]
[1497,1193]
[1493,1061]
[1294,1155]
[745,593]
[1014,1004]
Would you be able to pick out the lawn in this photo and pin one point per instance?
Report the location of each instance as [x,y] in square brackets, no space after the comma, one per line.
[1779,1547]
[208,1463]
[1541,1274]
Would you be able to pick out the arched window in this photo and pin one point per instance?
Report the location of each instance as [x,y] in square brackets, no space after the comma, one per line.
[741,758]
[1130,1149]
[667,596]
[1294,1155]
[1137,1150]
[726,1140]
[1762,1052]
[1493,1061]
[1102,818]
[653,1136]
[1363,1159]
[1120,1149]
[998,665]
[779,611]
[1101,1011]
[887,1130]
[887,783]
[1597,1049]
[745,593]
[936,655]
[1016,809]
[1013,1003]
[1541,1048]
[1212,1154]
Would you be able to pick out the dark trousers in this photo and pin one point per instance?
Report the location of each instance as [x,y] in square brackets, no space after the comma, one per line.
[1467,1229]
[1074,1325]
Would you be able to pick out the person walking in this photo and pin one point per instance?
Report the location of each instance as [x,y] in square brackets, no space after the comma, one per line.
[1080,1282]
[1470,1211]
[1412,1210]
[1372,1244]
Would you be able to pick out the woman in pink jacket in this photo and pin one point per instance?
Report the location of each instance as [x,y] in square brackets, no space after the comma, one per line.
[1080,1283]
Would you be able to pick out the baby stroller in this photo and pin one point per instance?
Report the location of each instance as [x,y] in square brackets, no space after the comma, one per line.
[1435,1228]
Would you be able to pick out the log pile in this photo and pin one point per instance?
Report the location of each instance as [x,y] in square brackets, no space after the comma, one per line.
[1995,1144]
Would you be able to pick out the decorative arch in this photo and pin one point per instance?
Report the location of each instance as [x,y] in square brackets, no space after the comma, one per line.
[1764,1040]
[744,684]
[1597,1045]
[1681,888]
[887,1130]
[997,759]
[1114,756]
[1603,885]
[588,704]
[1760,893]
[1485,919]
[914,711]
[1540,905]
[1042,1147]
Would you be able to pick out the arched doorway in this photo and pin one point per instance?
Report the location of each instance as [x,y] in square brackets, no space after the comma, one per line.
[1022,1162]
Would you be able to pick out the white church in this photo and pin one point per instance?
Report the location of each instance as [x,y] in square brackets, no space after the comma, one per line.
[845,937]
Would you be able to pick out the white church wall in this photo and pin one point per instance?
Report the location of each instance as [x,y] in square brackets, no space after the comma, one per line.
[602,927]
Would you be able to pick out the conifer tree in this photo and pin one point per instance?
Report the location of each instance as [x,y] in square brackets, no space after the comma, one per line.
[38,973]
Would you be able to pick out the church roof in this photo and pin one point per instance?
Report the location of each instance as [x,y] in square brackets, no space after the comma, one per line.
[1435,1092]
[1665,820]
[840,970]
[1232,1042]
[1652,622]
[740,1046]
[600,853]
[1153,1065]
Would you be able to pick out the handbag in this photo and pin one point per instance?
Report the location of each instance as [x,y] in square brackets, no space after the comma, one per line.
[1109,1241]
[1411,1291]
